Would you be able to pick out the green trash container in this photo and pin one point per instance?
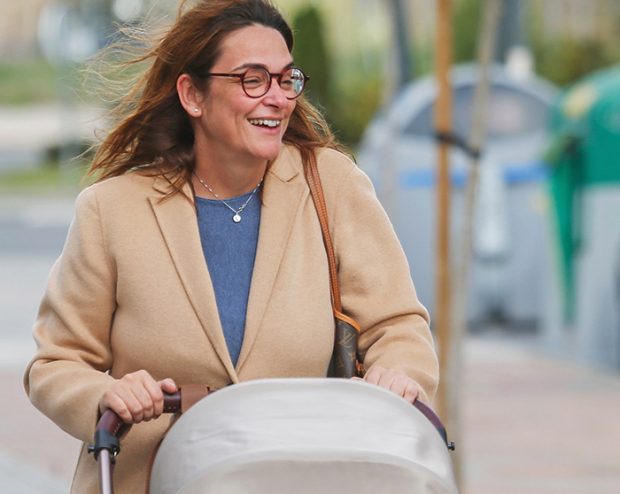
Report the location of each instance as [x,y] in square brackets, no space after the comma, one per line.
[584,157]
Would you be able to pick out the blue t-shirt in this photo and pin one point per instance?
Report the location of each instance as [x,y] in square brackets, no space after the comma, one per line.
[230,249]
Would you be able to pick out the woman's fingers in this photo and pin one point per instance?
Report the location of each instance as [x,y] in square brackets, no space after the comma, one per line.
[137,397]
[404,386]
[396,381]
[144,389]
[168,386]
[373,374]
[152,399]
[161,387]
[411,391]
[112,401]
[387,380]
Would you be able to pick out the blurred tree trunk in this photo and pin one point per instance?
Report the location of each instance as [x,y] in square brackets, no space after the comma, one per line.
[398,74]
[512,28]
[401,33]
[400,68]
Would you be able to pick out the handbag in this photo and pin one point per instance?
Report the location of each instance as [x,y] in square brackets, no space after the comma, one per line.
[345,361]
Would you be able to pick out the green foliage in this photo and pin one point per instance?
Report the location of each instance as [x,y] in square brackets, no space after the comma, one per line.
[466,24]
[359,100]
[564,60]
[350,99]
[560,58]
[311,54]
[48,176]
[27,81]
[423,53]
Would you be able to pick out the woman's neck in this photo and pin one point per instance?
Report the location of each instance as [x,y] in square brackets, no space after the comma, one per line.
[226,177]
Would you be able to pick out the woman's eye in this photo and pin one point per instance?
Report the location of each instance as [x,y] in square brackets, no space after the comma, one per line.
[252,80]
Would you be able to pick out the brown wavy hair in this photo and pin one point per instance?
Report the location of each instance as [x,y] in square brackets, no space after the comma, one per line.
[152,131]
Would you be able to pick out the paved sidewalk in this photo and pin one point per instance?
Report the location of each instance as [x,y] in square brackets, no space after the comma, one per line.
[36,457]
[532,424]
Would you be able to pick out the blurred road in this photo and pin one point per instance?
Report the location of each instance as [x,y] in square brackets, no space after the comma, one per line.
[531,423]
[32,233]
[27,132]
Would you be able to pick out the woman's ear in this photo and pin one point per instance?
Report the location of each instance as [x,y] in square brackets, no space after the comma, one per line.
[190,96]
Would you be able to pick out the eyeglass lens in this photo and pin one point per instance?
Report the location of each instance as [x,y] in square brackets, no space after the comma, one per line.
[256,82]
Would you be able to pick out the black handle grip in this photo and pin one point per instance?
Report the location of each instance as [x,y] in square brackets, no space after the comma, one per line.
[110,427]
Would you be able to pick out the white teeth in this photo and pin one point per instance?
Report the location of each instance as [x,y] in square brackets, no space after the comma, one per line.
[265,123]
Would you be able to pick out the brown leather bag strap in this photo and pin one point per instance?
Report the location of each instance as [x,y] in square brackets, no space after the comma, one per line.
[316,191]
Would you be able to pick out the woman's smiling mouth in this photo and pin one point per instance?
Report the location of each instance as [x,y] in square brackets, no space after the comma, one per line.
[263,122]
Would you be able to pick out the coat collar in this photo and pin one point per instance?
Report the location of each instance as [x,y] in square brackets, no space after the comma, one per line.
[176,215]
[281,199]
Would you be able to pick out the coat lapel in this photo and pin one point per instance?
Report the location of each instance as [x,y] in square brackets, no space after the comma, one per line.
[177,221]
[281,200]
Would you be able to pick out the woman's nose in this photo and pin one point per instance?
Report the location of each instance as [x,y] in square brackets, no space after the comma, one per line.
[275,95]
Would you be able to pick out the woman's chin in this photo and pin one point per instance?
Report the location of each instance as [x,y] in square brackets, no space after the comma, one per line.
[269,153]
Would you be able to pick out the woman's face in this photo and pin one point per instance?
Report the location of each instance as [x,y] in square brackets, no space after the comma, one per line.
[232,124]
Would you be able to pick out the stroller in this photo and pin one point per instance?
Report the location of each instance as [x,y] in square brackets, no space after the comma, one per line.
[282,436]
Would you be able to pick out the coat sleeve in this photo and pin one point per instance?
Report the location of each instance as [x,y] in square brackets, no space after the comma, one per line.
[376,285]
[67,376]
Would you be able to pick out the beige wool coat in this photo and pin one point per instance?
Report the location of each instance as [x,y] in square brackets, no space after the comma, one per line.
[132,291]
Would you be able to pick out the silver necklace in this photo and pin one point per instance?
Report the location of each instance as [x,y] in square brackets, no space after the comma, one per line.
[237,212]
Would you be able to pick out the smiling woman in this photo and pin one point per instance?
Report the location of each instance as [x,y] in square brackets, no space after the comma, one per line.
[197,256]
[233,150]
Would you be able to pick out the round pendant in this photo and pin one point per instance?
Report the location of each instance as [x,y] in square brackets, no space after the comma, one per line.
[236,218]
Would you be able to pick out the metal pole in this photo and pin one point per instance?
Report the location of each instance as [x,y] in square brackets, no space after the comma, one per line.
[398,74]
[486,47]
[105,472]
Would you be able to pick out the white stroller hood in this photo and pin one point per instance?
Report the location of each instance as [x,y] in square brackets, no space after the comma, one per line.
[284,436]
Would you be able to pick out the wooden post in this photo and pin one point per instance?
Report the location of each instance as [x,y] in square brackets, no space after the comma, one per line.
[443,123]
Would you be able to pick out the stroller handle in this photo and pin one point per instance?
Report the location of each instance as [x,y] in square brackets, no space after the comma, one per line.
[436,421]
[111,427]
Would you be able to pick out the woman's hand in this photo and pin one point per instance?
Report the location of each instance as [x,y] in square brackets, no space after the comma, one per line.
[137,397]
[396,381]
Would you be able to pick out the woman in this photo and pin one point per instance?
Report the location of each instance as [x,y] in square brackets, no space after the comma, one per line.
[198,256]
